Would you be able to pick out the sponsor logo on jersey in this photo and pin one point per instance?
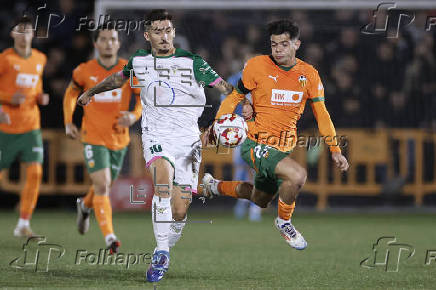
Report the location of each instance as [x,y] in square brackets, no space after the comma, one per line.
[39,67]
[285,97]
[93,78]
[302,80]
[109,96]
[91,163]
[26,80]
[16,67]
[320,86]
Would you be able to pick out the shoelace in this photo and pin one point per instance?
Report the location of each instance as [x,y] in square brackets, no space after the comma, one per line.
[289,229]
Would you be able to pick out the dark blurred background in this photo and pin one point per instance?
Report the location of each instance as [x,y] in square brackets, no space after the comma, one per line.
[371,82]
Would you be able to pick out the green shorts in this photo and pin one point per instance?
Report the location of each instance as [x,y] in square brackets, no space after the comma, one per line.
[99,157]
[27,146]
[263,159]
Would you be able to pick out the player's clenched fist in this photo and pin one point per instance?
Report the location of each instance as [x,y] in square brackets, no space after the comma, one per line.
[340,161]
[4,117]
[126,119]
[18,98]
[43,99]
[84,99]
[71,131]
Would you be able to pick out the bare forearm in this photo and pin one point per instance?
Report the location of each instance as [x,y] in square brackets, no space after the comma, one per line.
[113,81]
[224,87]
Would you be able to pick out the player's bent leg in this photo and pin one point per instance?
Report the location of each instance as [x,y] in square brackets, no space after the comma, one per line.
[162,172]
[101,180]
[28,199]
[214,187]
[293,177]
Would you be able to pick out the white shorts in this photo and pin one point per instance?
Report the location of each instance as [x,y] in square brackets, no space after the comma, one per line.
[184,154]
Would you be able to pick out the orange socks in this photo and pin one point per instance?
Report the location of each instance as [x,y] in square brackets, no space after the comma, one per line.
[285,211]
[103,213]
[29,194]
[87,200]
[228,188]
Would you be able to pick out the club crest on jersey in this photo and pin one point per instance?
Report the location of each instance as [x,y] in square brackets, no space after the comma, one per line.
[302,80]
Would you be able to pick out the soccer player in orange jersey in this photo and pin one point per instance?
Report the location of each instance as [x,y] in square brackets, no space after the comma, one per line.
[21,91]
[105,130]
[280,85]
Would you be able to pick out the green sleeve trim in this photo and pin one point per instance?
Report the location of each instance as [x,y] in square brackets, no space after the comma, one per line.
[318,99]
[203,72]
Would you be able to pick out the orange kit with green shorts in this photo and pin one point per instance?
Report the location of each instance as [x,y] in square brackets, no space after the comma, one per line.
[23,136]
[279,95]
[99,126]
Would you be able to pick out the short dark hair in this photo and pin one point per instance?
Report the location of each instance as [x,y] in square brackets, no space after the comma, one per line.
[105,26]
[24,19]
[284,26]
[155,15]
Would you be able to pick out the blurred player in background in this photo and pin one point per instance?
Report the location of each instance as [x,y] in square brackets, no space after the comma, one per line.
[21,91]
[172,92]
[105,130]
[242,171]
[280,84]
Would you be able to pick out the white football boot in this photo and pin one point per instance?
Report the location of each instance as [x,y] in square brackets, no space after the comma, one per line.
[291,235]
[210,186]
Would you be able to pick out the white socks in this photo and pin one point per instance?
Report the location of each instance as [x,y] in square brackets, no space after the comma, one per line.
[23,223]
[109,239]
[176,231]
[161,216]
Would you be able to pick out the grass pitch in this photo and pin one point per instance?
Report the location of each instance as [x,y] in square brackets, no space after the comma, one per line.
[230,254]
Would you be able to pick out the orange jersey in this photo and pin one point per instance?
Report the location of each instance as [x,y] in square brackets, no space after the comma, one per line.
[23,75]
[99,125]
[279,97]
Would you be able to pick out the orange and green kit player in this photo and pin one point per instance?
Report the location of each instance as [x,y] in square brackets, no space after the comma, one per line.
[104,132]
[280,85]
[21,92]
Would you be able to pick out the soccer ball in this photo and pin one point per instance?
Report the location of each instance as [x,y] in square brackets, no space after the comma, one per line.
[230,130]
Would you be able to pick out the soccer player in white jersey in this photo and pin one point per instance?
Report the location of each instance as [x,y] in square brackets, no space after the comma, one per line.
[172,97]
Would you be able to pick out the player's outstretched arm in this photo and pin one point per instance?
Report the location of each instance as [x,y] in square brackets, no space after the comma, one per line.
[69,105]
[114,81]
[327,130]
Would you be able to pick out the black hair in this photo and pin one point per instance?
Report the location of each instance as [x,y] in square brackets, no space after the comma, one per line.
[24,20]
[155,15]
[109,25]
[284,26]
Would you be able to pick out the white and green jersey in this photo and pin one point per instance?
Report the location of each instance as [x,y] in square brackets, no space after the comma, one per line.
[172,90]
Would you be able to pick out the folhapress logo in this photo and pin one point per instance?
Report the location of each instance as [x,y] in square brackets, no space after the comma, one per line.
[387,253]
[387,20]
[37,255]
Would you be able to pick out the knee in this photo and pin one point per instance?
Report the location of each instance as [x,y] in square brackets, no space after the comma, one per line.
[301,177]
[179,214]
[297,178]
[260,202]
[102,187]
